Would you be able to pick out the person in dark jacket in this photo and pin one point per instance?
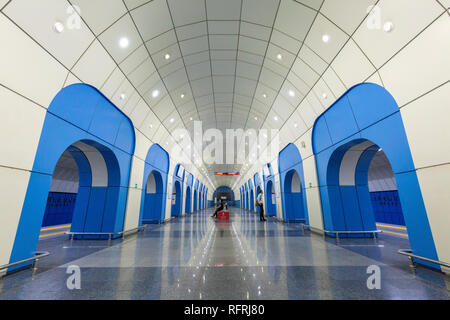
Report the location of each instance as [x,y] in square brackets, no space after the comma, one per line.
[259,203]
[218,209]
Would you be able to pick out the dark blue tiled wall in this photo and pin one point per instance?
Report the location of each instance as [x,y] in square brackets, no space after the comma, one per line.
[387,207]
[59,209]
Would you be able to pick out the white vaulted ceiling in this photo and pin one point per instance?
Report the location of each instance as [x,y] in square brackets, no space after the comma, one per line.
[233,63]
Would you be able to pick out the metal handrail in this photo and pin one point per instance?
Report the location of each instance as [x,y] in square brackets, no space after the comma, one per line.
[38,255]
[373,232]
[109,234]
[294,221]
[411,256]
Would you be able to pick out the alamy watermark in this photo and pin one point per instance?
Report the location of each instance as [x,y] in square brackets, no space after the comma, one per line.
[208,146]
[374,280]
[74,280]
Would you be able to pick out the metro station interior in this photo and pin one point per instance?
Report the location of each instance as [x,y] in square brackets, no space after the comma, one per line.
[126,124]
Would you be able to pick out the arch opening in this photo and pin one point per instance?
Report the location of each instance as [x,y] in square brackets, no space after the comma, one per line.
[293,198]
[153,198]
[292,185]
[154,191]
[74,123]
[271,205]
[187,206]
[176,200]
[345,140]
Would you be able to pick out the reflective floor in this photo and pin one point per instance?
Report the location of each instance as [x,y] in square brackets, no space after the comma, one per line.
[196,257]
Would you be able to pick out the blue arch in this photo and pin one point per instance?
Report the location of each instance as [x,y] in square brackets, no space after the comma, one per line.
[246,195]
[200,197]
[195,208]
[269,190]
[367,113]
[153,203]
[251,196]
[240,197]
[224,189]
[177,192]
[258,186]
[188,204]
[79,113]
[294,204]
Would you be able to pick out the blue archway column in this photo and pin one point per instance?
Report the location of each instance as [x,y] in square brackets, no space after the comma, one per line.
[153,203]
[294,204]
[188,205]
[195,208]
[269,190]
[258,187]
[367,113]
[246,195]
[78,113]
[177,191]
[251,191]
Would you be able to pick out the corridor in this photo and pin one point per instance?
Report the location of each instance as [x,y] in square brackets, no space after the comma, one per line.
[196,257]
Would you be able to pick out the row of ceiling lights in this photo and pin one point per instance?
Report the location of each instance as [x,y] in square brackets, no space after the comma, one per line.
[124,43]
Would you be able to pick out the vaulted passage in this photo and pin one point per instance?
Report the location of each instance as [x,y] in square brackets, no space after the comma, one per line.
[224,149]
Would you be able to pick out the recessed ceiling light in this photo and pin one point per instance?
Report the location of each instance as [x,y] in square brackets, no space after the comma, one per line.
[275,118]
[291,93]
[296,125]
[150,125]
[191,118]
[182,96]
[324,96]
[264,95]
[172,120]
[155,93]
[58,27]
[326,38]
[279,56]
[122,96]
[167,56]
[388,27]
[124,42]
[256,118]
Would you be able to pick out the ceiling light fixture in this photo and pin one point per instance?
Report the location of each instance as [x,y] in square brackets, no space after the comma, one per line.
[291,93]
[124,42]
[167,56]
[275,118]
[182,96]
[172,120]
[279,56]
[388,27]
[324,96]
[58,27]
[122,96]
[326,38]
[155,94]
[264,95]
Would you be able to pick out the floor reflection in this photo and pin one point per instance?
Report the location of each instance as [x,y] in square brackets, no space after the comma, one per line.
[197,257]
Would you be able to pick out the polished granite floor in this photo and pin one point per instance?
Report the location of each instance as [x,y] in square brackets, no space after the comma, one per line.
[196,257]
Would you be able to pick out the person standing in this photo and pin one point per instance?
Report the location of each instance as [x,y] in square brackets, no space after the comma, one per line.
[259,203]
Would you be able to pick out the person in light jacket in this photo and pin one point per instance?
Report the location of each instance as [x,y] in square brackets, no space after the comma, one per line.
[259,203]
